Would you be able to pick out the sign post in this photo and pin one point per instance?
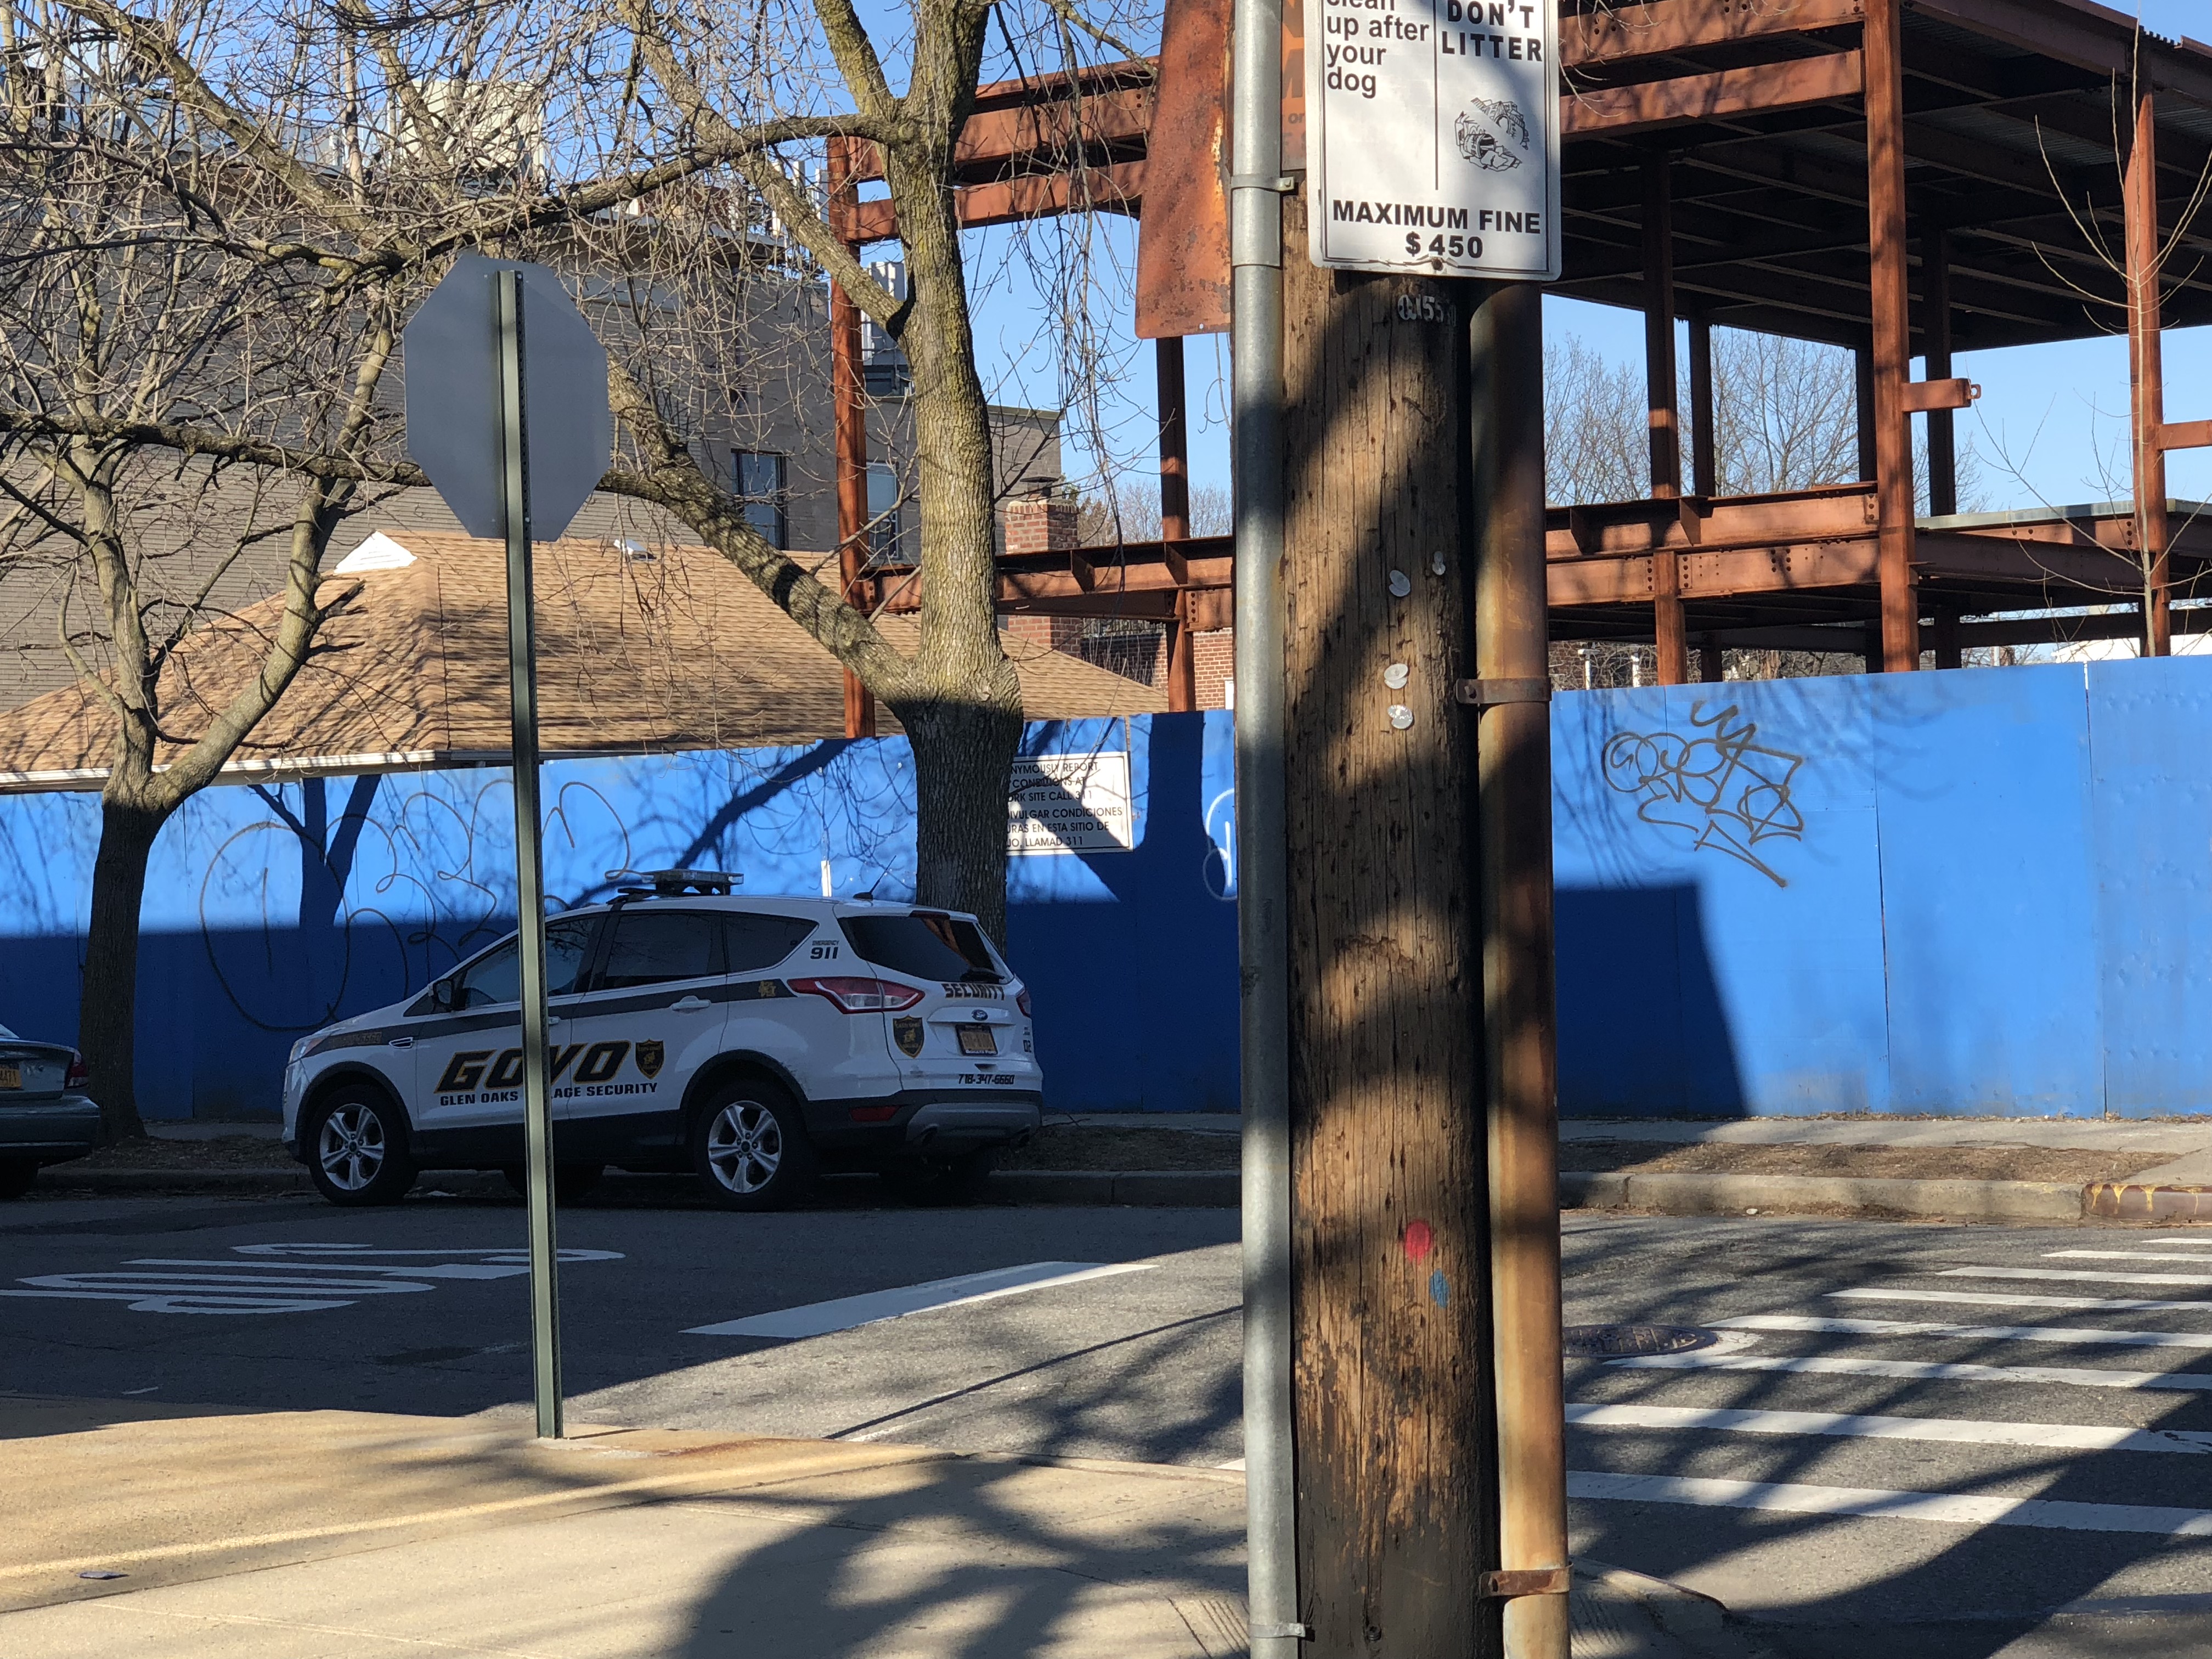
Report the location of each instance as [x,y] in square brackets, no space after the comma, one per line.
[506,411]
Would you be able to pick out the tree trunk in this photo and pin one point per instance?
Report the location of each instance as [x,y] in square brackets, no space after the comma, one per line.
[106,1023]
[963,753]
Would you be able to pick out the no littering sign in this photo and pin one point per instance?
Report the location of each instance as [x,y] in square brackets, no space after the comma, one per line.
[1433,136]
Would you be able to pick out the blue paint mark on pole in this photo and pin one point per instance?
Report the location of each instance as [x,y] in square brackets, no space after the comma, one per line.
[1440,1289]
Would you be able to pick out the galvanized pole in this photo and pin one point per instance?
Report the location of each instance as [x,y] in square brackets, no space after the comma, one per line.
[1255,237]
[529,861]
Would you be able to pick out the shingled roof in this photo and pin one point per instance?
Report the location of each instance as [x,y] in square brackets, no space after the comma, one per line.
[642,649]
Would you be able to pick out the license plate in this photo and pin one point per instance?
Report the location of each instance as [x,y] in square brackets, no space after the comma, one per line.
[11,1077]
[978,1040]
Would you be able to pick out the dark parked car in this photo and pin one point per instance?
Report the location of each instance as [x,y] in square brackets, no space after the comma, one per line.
[45,1117]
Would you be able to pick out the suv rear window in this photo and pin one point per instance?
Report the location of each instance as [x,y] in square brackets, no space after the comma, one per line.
[757,941]
[927,944]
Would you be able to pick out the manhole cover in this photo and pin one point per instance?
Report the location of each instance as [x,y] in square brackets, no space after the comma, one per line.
[1611,1341]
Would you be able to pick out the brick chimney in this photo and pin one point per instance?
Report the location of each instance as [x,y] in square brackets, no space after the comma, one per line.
[1039,521]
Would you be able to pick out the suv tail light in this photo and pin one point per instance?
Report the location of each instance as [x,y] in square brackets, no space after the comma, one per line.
[79,1072]
[860,996]
[1022,1002]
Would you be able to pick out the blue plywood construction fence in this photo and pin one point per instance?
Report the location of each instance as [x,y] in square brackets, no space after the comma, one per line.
[1976,892]
[273,908]
[1982,891]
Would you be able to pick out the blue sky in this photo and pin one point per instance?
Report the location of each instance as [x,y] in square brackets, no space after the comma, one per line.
[2045,411]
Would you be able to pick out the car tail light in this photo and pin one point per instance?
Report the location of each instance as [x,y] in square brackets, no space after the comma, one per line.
[79,1072]
[860,996]
[874,1114]
[1022,1002]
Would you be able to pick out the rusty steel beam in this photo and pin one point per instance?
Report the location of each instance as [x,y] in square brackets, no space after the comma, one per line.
[1183,250]
[1119,188]
[1669,26]
[1618,112]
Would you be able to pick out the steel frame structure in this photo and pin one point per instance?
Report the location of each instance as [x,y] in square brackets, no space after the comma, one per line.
[1902,178]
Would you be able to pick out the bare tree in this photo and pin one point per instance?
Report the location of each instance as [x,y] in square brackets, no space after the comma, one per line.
[666,157]
[122,326]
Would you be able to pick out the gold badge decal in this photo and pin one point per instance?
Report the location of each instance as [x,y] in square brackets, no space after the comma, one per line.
[649,1056]
[907,1033]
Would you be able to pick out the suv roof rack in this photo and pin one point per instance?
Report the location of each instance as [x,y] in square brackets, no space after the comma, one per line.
[667,883]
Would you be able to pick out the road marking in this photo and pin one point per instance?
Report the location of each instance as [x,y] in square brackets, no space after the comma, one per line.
[1954,1509]
[2061,1436]
[1928,1370]
[2002,1299]
[2081,1333]
[847,1312]
[265,1279]
[2124,1256]
[2077,1273]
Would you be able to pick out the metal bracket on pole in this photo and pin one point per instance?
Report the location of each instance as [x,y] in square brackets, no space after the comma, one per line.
[1492,694]
[1505,1586]
[1294,1633]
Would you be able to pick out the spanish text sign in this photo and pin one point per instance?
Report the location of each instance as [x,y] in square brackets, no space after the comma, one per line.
[1433,136]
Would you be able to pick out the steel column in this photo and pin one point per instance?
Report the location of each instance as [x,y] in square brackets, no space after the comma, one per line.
[1863,395]
[1891,331]
[1712,662]
[2147,378]
[1659,328]
[1936,332]
[1705,454]
[1175,448]
[848,396]
[1672,667]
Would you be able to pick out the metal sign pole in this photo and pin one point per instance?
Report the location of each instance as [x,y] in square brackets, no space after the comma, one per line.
[529,862]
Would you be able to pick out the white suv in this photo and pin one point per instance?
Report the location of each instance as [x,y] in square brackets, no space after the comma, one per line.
[757,1042]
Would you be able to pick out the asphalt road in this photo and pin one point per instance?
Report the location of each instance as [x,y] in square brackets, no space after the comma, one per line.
[1990,1480]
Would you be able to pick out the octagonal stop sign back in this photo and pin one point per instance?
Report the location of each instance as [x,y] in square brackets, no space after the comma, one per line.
[451,348]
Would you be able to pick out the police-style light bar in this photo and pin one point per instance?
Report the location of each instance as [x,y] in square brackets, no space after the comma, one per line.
[667,883]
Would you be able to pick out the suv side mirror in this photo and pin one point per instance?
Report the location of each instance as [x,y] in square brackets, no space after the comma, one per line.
[441,996]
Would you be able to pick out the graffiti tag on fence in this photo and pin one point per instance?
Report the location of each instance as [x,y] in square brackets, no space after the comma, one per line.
[1727,789]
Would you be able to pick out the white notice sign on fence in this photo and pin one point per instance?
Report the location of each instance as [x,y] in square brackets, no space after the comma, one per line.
[1432,137]
[1070,803]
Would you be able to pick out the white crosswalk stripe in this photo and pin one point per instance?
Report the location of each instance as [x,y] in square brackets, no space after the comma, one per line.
[279,1278]
[1645,1446]
[2088,1335]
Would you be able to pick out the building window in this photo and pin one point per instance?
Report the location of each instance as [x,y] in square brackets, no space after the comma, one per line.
[759,480]
[888,542]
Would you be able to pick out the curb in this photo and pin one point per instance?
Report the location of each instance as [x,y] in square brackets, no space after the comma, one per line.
[1691,1625]
[1145,1188]
[2128,1200]
[1732,1194]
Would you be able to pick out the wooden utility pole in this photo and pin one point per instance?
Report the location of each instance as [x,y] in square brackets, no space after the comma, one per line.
[1396,1517]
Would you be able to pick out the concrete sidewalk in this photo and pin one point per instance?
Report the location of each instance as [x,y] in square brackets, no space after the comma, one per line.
[282,1535]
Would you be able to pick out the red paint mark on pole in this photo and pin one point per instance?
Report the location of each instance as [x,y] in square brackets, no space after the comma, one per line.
[1420,1239]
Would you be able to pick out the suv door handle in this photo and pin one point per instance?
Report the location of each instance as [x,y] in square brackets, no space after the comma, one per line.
[689,1005]
[401,1042]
